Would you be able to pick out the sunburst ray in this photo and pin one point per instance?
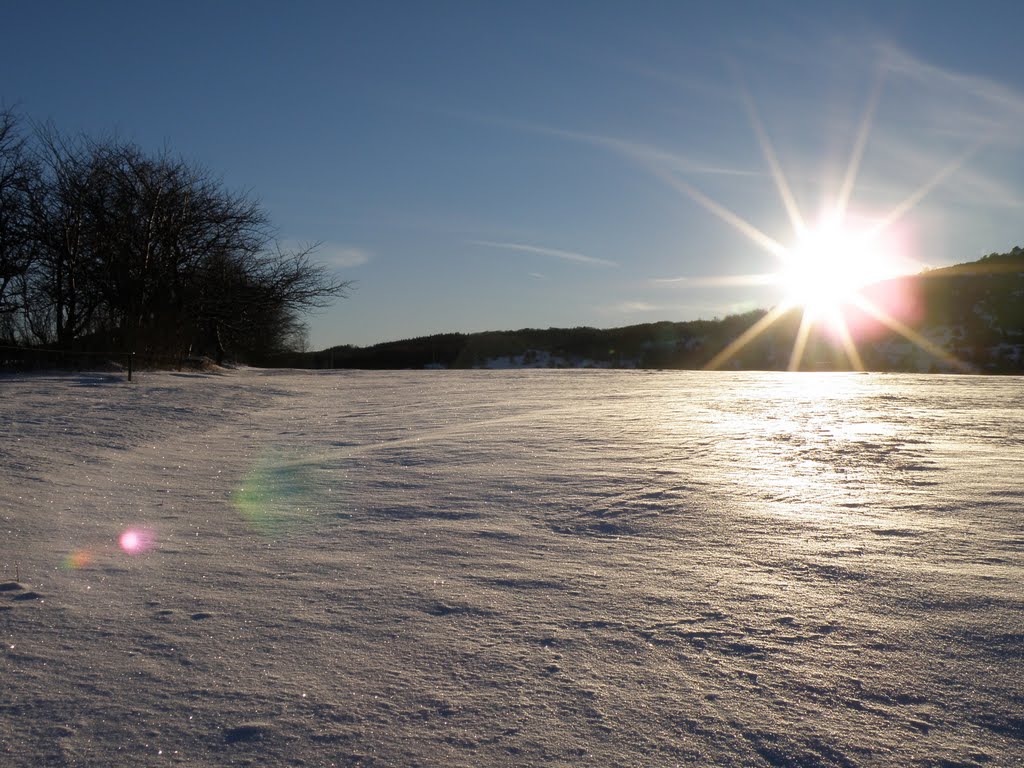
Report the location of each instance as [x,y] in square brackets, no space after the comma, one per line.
[747,336]
[910,334]
[800,343]
[860,144]
[740,224]
[908,203]
[846,339]
[840,206]
[768,151]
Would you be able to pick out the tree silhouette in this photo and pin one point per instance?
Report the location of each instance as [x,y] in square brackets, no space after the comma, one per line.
[105,246]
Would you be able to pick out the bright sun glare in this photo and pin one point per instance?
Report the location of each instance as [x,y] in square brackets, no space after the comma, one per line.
[832,261]
[829,265]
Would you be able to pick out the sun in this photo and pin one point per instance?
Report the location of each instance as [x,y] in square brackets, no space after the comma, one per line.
[832,263]
[829,265]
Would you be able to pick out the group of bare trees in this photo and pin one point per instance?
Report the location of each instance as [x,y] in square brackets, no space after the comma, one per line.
[105,247]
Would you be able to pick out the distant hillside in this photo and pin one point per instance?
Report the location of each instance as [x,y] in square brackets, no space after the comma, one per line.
[969,317]
[974,312]
[650,345]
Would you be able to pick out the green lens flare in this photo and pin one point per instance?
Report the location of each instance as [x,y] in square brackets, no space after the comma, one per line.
[274,496]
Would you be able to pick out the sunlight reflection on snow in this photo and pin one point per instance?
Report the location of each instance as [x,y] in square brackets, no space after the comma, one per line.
[843,548]
[803,446]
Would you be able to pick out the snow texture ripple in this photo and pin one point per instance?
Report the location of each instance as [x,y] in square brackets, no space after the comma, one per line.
[511,568]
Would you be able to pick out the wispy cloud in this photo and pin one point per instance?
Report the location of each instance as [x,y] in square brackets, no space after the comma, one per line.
[900,163]
[647,154]
[720,281]
[579,258]
[675,310]
[635,307]
[945,131]
[981,102]
[334,255]
[342,256]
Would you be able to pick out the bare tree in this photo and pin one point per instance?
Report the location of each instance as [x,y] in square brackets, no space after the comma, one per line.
[62,297]
[141,252]
[254,302]
[16,173]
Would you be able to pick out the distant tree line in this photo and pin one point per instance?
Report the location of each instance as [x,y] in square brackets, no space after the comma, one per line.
[663,344]
[973,311]
[106,247]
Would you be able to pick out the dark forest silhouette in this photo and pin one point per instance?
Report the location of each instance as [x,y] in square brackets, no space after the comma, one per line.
[973,313]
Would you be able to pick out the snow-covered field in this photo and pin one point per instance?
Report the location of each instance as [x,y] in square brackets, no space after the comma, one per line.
[511,568]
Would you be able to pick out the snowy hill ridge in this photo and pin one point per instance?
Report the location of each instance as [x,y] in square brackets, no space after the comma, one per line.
[968,317]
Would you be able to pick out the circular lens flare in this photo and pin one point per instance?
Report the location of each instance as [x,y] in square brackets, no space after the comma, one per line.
[80,558]
[135,541]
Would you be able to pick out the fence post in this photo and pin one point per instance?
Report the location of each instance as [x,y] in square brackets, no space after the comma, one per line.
[131,356]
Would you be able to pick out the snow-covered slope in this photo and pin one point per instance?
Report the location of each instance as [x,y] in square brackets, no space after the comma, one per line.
[511,568]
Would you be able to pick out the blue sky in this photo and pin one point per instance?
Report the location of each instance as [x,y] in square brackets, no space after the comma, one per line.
[497,165]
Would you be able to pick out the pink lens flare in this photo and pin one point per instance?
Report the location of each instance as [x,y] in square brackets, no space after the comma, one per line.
[135,541]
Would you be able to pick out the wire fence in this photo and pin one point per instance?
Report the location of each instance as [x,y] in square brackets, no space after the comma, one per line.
[46,359]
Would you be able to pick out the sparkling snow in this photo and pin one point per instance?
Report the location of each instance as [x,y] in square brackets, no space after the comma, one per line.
[512,568]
